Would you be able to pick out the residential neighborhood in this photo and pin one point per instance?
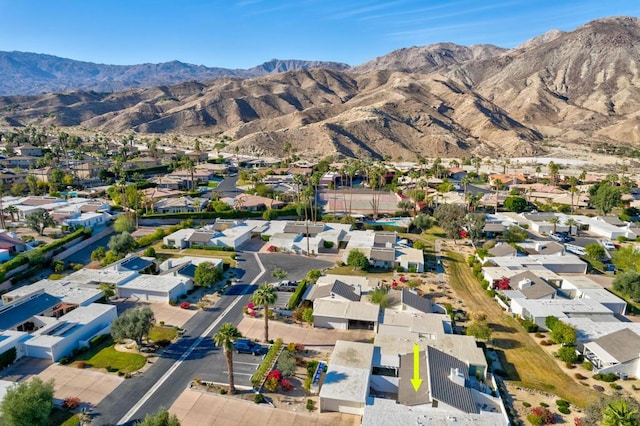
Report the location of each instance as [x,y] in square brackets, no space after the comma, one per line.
[354,293]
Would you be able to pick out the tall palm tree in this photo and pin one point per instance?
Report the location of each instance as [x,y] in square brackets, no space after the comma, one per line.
[554,221]
[12,210]
[224,338]
[265,296]
[618,414]
[571,222]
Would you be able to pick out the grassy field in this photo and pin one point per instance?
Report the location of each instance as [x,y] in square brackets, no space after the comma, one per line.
[159,333]
[524,362]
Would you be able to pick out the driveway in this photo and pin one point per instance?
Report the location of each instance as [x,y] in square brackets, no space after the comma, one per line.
[320,339]
[90,386]
[296,266]
[171,315]
[244,366]
[195,408]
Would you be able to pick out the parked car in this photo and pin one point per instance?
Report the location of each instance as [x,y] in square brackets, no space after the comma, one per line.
[557,237]
[287,285]
[608,244]
[246,346]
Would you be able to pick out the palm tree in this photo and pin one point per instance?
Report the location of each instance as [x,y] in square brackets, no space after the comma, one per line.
[571,222]
[186,163]
[618,414]
[554,221]
[265,295]
[224,338]
[12,210]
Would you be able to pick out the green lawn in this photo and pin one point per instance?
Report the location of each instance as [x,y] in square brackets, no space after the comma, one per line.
[105,356]
[60,417]
[159,333]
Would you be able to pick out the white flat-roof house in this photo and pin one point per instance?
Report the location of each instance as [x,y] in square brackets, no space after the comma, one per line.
[71,331]
[156,288]
[618,353]
[345,315]
[346,383]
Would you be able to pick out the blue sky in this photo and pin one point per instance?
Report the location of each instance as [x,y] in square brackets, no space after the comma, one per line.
[244,33]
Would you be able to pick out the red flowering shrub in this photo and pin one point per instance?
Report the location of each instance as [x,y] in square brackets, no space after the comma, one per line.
[272,249]
[253,313]
[286,386]
[503,284]
[185,305]
[275,374]
[546,417]
[578,421]
[250,305]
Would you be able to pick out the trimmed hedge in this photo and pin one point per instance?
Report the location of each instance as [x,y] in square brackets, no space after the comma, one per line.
[7,358]
[36,256]
[99,339]
[294,300]
[266,363]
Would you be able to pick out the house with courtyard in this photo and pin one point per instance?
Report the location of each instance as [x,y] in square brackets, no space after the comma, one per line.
[615,353]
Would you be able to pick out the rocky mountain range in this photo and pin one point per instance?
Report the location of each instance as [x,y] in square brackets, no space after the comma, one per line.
[579,87]
[26,73]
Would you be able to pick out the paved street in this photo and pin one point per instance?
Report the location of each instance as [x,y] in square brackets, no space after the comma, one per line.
[166,378]
[227,187]
[296,266]
[244,365]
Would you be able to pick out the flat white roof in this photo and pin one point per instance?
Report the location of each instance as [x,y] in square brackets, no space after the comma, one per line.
[67,291]
[347,377]
[363,282]
[386,412]
[180,234]
[561,308]
[57,330]
[361,311]
[96,276]
[194,260]
[416,322]
[589,330]
[161,283]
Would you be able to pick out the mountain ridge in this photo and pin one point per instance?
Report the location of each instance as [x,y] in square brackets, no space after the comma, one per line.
[578,87]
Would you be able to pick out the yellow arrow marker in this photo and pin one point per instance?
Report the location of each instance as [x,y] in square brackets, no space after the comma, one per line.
[416,381]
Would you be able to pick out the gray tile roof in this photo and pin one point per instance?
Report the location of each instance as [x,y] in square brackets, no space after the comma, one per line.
[301,228]
[381,238]
[345,290]
[502,250]
[14,316]
[414,301]
[539,288]
[383,254]
[200,237]
[623,345]
[406,393]
[493,227]
[445,390]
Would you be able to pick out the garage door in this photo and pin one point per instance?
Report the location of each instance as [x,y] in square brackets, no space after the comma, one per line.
[150,296]
[324,322]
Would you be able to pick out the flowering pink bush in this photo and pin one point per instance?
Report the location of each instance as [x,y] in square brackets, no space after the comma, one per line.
[253,313]
[250,305]
[185,305]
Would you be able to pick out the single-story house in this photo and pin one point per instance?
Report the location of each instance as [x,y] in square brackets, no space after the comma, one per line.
[72,331]
[617,353]
[345,315]
[68,292]
[156,288]
[179,239]
[19,314]
[346,383]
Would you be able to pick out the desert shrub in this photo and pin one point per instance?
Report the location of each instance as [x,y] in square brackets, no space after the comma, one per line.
[271,384]
[311,367]
[223,391]
[541,415]
[608,377]
[307,383]
[539,335]
[71,403]
[544,404]
[587,365]
[598,388]
[311,405]
[287,363]
[258,398]
[579,376]
[526,404]
[564,410]
[615,386]
[562,403]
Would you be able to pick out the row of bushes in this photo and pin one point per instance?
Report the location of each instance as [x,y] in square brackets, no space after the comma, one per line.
[266,363]
[297,295]
[36,256]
